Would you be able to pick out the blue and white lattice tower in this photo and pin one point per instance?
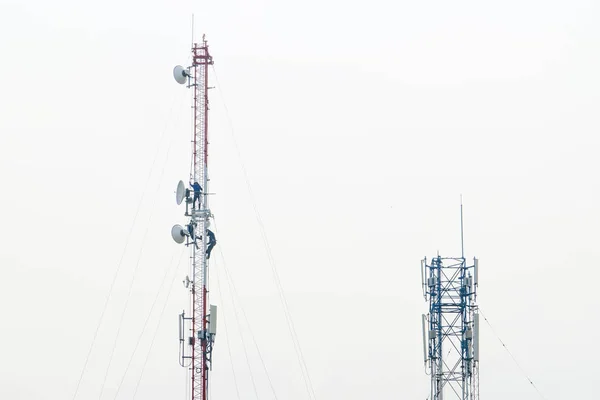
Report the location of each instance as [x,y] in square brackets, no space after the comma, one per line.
[451,327]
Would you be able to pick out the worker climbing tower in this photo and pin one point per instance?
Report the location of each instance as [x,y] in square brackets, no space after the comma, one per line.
[451,327]
[197,332]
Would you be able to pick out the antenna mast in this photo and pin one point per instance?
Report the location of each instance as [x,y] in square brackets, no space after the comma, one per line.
[451,327]
[462,239]
[197,333]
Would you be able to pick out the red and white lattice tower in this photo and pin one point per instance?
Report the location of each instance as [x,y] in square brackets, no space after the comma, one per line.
[196,333]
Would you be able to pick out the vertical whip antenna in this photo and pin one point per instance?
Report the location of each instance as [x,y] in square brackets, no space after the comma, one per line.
[462,240]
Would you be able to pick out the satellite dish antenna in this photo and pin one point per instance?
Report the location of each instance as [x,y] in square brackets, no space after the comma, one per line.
[180,74]
[178,233]
[180,194]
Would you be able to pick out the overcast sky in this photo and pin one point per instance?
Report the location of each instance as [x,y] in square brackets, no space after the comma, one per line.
[360,124]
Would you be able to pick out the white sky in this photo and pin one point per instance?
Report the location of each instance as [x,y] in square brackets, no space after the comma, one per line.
[360,124]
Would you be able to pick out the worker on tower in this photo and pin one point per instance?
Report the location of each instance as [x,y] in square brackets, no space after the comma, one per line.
[212,241]
[197,192]
[192,233]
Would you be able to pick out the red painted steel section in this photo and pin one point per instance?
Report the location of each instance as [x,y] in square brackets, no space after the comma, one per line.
[201,60]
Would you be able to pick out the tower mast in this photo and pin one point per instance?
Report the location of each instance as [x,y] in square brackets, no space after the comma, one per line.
[451,327]
[197,333]
[201,59]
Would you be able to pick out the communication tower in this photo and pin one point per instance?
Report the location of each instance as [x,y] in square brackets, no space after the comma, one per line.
[451,327]
[197,332]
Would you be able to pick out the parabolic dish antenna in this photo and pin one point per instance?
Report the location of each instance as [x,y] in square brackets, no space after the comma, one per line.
[180,193]
[178,234]
[180,74]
